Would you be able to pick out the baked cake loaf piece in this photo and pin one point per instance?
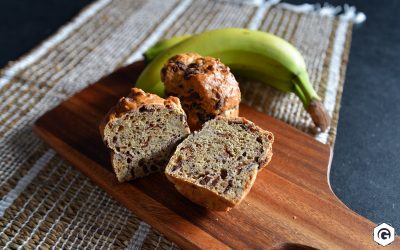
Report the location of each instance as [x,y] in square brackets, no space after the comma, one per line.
[142,131]
[205,86]
[216,167]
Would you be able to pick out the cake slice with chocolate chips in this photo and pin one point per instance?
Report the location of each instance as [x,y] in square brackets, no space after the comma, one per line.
[217,166]
[142,131]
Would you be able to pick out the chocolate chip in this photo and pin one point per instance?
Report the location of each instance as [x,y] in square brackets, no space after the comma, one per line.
[180,65]
[228,151]
[244,127]
[253,128]
[215,181]
[144,109]
[231,122]
[223,174]
[191,70]
[193,65]
[187,75]
[205,180]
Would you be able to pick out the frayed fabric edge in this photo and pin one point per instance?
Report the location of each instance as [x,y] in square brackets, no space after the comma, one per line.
[347,12]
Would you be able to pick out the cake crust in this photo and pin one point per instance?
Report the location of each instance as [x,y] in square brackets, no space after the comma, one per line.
[208,198]
[136,99]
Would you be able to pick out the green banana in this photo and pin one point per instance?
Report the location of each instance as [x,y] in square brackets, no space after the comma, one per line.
[254,54]
[163,45]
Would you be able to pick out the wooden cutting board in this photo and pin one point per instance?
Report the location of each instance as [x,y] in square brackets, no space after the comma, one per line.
[291,204]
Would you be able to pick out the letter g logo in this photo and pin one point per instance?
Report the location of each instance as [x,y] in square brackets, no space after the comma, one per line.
[384,234]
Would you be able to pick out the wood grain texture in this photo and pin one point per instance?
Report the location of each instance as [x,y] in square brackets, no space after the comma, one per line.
[290,206]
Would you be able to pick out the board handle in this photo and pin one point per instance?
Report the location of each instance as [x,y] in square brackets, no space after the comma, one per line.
[292,246]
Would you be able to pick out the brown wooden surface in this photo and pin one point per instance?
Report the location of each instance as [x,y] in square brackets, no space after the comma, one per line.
[291,202]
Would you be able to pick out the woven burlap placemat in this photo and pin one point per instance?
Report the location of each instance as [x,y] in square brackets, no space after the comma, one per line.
[47,203]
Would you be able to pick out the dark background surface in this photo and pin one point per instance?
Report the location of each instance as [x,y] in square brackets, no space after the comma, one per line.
[366,164]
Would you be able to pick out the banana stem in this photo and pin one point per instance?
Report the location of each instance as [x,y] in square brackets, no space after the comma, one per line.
[319,115]
[311,101]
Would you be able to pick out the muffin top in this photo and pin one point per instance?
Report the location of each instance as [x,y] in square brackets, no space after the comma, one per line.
[205,86]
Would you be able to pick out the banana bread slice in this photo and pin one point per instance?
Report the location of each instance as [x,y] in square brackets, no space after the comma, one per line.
[205,86]
[217,166]
[142,131]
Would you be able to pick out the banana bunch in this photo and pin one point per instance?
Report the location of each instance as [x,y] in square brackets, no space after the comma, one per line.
[253,54]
